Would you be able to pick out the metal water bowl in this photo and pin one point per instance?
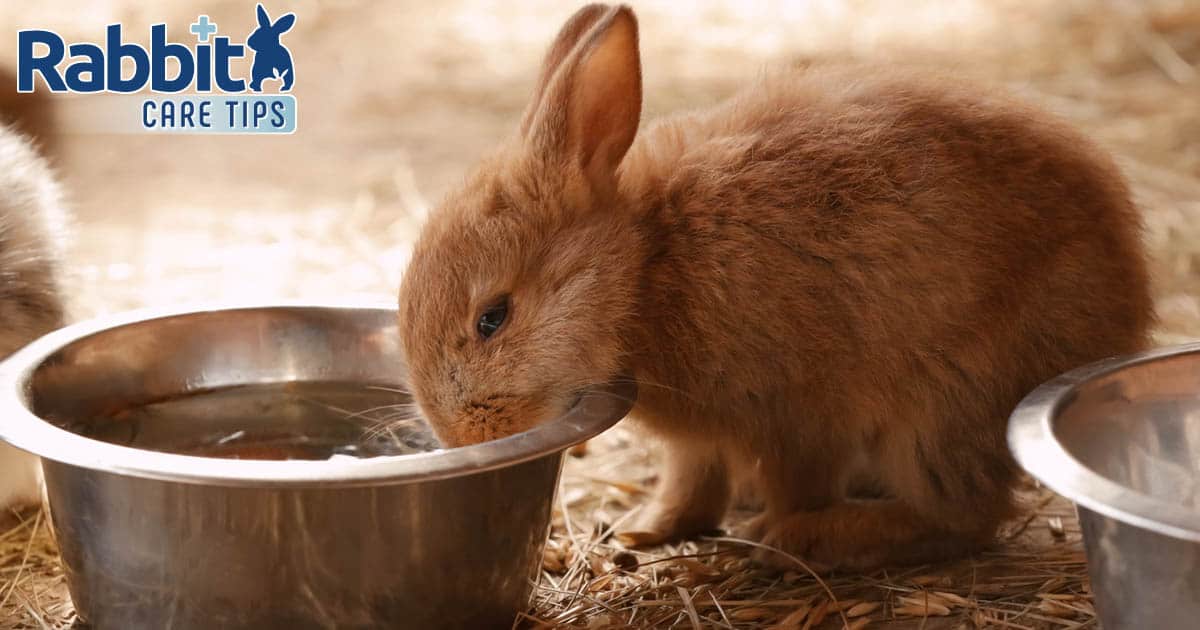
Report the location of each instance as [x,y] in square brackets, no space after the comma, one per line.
[1121,439]
[154,534]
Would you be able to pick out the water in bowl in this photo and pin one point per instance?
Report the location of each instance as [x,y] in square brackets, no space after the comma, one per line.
[303,421]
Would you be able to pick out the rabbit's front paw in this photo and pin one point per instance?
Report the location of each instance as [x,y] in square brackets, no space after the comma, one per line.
[663,521]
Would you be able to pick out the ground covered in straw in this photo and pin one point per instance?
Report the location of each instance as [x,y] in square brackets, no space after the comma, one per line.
[331,211]
[1035,577]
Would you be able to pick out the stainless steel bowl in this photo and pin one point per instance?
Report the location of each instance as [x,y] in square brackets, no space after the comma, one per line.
[1121,439]
[160,540]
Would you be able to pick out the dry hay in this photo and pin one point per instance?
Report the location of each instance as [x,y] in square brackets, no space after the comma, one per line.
[1036,577]
[1125,72]
[33,590]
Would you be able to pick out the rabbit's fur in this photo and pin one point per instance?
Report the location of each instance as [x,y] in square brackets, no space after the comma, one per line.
[31,223]
[30,113]
[837,284]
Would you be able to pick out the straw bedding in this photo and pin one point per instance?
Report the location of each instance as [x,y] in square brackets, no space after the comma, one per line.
[332,211]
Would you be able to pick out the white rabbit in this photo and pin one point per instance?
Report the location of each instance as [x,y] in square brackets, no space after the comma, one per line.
[31,223]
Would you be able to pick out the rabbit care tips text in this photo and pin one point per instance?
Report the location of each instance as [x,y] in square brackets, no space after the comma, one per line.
[210,95]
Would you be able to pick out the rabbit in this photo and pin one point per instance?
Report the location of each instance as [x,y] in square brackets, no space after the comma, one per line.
[32,223]
[835,285]
[29,113]
[271,58]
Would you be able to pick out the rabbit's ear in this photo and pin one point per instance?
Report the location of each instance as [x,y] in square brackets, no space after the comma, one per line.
[568,37]
[284,24]
[264,20]
[589,114]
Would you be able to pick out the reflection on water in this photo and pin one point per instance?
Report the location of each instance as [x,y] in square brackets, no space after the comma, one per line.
[306,420]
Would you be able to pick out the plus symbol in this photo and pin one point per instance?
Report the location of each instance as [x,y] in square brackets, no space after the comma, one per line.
[203,28]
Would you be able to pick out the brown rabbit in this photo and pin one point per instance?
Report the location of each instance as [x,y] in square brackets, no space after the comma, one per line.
[839,283]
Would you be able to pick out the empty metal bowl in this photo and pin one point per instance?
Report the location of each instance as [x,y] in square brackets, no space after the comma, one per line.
[166,439]
[1121,439]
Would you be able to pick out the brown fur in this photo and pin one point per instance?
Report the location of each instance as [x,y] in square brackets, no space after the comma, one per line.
[837,284]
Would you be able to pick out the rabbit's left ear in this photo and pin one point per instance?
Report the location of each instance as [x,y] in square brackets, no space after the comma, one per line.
[589,114]
[264,20]
[284,24]
[575,28]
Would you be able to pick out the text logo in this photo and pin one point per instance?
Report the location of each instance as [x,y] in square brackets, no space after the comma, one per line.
[217,101]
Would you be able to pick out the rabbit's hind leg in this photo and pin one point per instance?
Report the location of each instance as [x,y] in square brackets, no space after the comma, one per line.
[864,535]
[937,501]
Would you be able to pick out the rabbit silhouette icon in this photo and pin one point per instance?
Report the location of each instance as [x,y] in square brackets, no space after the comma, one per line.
[272,60]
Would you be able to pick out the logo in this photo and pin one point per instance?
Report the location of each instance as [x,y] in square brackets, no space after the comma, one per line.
[194,86]
[271,59]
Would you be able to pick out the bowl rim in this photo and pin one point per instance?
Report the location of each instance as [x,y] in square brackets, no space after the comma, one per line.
[598,408]
[1036,448]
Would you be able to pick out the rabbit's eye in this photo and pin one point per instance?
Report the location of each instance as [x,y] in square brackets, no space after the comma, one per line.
[492,318]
